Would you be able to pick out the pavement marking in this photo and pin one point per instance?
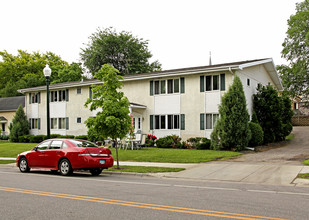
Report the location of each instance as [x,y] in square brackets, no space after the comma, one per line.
[140,205]
[161,184]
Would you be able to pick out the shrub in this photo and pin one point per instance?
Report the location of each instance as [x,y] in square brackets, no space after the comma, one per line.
[67,136]
[204,144]
[82,137]
[257,134]
[233,131]
[38,138]
[20,125]
[4,137]
[171,141]
[55,136]
[150,140]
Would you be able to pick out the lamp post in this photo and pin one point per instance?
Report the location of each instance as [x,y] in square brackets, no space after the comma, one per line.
[47,73]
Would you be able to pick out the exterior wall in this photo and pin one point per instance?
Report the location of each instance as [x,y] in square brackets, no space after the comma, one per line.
[256,75]
[9,117]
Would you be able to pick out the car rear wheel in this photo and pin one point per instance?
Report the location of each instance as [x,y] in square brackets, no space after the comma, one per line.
[65,167]
[96,171]
[23,165]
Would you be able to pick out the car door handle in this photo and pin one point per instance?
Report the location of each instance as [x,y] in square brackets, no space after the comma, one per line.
[58,152]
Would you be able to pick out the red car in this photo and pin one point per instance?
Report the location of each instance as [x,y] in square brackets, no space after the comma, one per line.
[66,155]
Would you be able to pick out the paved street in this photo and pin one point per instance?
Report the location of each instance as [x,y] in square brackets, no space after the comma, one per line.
[42,195]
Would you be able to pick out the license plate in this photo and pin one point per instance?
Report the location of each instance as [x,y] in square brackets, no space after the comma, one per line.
[102,161]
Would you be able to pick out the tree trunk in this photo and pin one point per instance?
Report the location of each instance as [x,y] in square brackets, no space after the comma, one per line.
[116,146]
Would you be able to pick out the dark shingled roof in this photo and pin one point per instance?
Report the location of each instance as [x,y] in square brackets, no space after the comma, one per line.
[11,103]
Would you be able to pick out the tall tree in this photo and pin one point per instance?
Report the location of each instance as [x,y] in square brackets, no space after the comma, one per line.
[232,129]
[128,54]
[295,75]
[26,70]
[19,125]
[114,120]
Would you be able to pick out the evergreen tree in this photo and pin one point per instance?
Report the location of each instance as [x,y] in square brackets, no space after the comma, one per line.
[232,129]
[20,125]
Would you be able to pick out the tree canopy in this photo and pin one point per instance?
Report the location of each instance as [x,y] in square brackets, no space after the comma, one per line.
[114,121]
[125,52]
[295,75]
[25,70]
[232,128]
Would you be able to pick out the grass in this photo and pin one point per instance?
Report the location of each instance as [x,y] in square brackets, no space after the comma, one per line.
[7,161]
[140,169]
[303,175]
[173,155]
[306,162]
[290,137]
[8,149]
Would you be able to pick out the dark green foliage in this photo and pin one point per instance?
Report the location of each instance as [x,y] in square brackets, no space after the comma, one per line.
[273,112]
[82,137]
[254,118]
[68,136]
[38,138]
[55,135]
[171,141]
[295,77]
[257,134]
[126,53]
[20,125]
[4,137]
[232,129]
[199,143]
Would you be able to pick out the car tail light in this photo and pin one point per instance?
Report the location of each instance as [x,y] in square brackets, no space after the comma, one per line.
[84,152]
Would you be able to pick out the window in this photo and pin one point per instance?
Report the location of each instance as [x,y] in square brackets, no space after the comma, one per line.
[35,123]
[134,123]
[79,90]
[165,122]
[139,123]
[215,82]
[61,123]
[43,146]
[171,85]
[53,123]
[35,97]
[212,82]
[55,145]
[79,120]
[211,120]
[248,82]
[59,96]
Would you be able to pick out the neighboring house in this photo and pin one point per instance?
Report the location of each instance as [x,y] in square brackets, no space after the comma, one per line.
[8,107]
[181,101]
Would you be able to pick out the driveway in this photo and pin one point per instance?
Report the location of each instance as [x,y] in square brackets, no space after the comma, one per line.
[276,164]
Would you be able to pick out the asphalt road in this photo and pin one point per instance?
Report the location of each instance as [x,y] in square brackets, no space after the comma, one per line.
[42,195]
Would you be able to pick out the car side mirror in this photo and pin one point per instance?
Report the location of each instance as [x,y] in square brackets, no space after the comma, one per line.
[35,149]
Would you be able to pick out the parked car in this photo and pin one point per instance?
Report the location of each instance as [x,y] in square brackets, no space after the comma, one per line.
[66,155]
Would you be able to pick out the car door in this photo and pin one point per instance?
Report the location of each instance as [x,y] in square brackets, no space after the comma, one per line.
[37,157]
[53,154]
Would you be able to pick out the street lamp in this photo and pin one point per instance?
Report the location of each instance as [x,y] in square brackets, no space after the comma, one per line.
[47,73]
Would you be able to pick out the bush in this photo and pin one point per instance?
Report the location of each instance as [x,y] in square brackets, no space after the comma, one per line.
[55,136]
[4,137]
[204,144]
[150,140]
[257,137]
[82,137]
[38,138]
[171,141]
[19,126]
[67,136]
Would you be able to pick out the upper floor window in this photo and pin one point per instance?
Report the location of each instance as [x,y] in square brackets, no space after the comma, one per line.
[35,97]
[169,86]
[79,90]
[59,96]
[212,82]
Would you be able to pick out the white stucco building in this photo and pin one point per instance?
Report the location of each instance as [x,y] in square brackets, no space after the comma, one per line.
[181,101]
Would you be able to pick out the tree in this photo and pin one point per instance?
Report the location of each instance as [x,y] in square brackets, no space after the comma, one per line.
[20,126]
[273,112]
[232,128]
[295,75]
[128,54]
[25,70]
[114,120]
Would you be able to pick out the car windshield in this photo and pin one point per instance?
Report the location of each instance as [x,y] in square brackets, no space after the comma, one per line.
[83,143]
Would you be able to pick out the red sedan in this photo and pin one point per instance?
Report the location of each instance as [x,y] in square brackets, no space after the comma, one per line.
[66,155]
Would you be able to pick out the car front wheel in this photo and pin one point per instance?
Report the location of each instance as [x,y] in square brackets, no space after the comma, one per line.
[23,165]
[96,171]
[65,167]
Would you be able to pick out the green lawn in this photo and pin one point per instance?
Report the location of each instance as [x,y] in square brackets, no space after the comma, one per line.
[306,162]
[8,149]
[173,155]
[303,175]
[7,161]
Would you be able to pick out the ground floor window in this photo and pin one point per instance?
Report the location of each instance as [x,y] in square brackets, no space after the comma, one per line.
[208,120]
[167,122]
[35,123]
[59,123]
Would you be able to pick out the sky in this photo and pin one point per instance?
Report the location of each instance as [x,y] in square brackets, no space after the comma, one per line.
[180,33]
